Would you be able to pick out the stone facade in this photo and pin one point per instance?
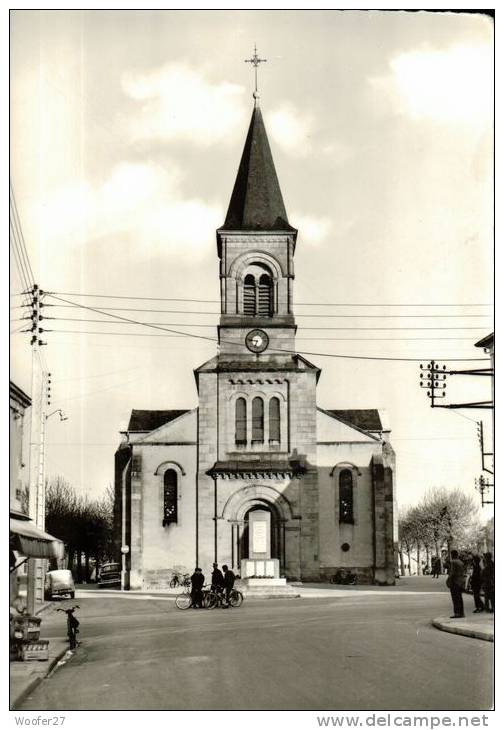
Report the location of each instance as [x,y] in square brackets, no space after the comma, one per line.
[187,482]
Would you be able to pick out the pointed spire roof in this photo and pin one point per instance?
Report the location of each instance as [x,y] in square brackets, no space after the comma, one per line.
[256,202]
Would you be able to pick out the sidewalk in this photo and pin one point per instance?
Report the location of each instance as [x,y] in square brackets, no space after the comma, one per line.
[25,676]
[405,586]
[475,625]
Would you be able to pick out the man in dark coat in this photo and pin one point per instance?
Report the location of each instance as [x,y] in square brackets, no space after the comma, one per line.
[436,566]
[197,583]
[229,579]
[488,582]
[455,582]
[476,583]
[217,579]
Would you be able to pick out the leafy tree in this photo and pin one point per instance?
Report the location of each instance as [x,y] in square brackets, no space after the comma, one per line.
[442,520]
[84,525]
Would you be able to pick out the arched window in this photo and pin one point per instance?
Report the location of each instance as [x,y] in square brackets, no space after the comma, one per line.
[258,292]
[169,497]
[274,421]
[258,420]
[249,295]
[241,422]
[265,296]
[346,497]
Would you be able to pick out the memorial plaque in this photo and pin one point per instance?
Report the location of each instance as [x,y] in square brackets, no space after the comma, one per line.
[259,536]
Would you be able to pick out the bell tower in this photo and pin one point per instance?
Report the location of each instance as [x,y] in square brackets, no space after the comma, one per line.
[256,248]
[257,491]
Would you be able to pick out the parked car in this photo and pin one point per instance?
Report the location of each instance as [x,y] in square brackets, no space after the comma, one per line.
[110,575]
[59,583]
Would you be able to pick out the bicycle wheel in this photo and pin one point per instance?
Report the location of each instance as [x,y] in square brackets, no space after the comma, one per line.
[235,598]
[183,601]
[211,600]
[208,600]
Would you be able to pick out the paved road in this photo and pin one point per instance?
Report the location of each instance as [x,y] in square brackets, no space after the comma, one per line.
[355,652]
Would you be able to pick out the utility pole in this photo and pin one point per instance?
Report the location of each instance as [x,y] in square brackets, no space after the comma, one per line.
[482,485]
[35,579]
[481,439]
[433,377]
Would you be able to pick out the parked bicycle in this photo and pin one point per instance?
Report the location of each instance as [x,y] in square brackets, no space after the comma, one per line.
[72,625]
[210,599]
[179,579]
[344,577]
[184,599]
[218,598]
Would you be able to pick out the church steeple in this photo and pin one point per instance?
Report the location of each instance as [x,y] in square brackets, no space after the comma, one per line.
[256,248]
[256,202]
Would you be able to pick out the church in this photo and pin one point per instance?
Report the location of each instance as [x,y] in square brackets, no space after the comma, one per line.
[257,476]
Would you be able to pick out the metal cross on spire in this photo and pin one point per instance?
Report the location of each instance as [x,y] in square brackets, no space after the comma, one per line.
[255,61]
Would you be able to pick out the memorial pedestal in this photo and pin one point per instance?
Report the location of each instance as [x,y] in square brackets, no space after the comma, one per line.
[260,568]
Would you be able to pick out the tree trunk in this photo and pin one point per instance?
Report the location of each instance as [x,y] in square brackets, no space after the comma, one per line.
[419,568]
[86,572]
[408,553]
[401,561]
[79,566]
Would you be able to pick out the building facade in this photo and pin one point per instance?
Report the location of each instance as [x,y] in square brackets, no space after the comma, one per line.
[257,472]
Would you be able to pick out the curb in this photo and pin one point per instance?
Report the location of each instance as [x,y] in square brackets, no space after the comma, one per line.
[23,694]
[462,631]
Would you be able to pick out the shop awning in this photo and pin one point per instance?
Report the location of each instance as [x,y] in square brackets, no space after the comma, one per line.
[32,542]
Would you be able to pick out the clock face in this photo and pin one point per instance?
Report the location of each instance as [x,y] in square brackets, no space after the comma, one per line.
[257,341]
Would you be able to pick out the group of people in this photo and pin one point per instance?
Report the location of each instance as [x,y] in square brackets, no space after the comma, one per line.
[481,579]
[222,582]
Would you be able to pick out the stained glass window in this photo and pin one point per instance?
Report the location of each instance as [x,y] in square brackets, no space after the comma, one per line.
[346,496]
[241,422]
[170,497]
[274,420]
[258,420]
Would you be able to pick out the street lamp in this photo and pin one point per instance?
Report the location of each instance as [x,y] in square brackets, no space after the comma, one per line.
[61,415]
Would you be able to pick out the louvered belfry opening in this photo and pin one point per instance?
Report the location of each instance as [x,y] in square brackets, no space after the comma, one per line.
[249,295]
[258,292]
[264,296]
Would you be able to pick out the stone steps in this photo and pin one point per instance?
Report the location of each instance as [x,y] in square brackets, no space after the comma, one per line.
[267,588]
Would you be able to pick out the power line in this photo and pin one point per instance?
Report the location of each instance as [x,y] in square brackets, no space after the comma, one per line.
[212,326]
[20,231]
[303,339]
[309,316]
[300,304]
[277,350]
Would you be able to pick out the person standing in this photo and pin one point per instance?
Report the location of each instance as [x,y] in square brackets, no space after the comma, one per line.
[436,566]
[229,579]
[488,582]
[197,582]
[476,583]
[217,579]
[455,583]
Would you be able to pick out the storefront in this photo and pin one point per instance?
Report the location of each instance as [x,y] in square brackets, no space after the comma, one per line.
[28,542]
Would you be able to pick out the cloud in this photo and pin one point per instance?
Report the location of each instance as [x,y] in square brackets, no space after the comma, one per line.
[290,129]
[313,230]
[449,86]
[178,102]
[141,201]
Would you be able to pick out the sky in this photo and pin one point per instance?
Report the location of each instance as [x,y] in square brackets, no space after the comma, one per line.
[126,132]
